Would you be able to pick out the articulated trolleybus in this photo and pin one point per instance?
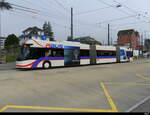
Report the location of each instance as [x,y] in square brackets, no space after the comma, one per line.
[46,54]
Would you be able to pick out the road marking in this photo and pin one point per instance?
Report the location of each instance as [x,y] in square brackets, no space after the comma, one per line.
[102,84]
[4,108]
[54,108]
[127,83]
[114,108]
[138,104]
[135,84]
[143,77]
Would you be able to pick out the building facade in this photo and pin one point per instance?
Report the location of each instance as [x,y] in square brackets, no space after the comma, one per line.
[32,33]
[147,44]
[129,39]
[2,42]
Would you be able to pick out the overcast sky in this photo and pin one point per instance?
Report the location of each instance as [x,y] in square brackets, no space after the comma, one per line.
[91,17]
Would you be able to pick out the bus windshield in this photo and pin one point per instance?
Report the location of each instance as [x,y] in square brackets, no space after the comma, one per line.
[30,53]
[23,54]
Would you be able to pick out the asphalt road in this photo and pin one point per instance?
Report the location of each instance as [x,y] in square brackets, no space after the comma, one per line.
[145,107]
[98,88]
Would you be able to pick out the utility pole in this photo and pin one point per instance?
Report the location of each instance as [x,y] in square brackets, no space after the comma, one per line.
[72,23]
[142,43]
[108,35]
[139,44]
[142,40]
[129,34]
[0,24]
[145,35]
[0,31]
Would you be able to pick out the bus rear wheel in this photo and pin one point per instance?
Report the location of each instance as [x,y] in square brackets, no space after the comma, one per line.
[46,65]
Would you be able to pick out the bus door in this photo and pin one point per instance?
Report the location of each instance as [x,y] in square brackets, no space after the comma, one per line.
[93,54]
[71,56]
[123,56]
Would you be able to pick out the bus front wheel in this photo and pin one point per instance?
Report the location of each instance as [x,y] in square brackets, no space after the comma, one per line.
[46,65]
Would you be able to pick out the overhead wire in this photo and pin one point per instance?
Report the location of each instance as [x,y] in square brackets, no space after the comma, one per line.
[91,11]
[25,10]
[44,10]
[32,11]
[32,17]
[42,13]
[116,7]
[130,9]
[24,7]
[61,5]
[47,15]
[121,18]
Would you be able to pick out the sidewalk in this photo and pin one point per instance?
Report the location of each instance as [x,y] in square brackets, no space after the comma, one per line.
[8,66]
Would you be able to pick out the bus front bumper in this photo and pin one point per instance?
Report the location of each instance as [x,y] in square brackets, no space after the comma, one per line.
[24,64]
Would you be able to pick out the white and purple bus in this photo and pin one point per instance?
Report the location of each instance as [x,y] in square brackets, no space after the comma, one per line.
[46,54]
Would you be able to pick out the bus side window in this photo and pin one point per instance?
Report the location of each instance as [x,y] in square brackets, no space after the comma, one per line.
[48,53]
[61,53]
[106,53]
[58,53]
[113,53]
[54,53]
[84,53]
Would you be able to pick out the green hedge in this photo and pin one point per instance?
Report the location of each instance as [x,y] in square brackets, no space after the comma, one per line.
[11,58]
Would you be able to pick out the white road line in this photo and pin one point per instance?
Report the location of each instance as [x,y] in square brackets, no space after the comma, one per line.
[138,104]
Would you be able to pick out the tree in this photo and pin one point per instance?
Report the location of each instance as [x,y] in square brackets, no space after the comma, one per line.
[12,43]
[3,6]
[47,28]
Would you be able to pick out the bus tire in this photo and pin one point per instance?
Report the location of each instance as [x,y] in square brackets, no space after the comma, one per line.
[46,65]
